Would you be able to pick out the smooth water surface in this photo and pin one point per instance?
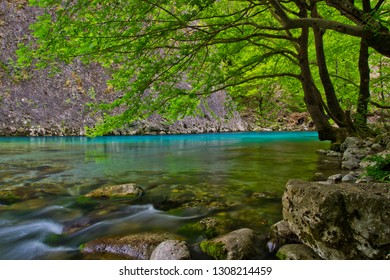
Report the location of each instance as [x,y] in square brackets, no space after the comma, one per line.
[235,177]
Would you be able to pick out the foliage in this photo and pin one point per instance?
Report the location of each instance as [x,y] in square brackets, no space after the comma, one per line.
[165,57]
[379,168]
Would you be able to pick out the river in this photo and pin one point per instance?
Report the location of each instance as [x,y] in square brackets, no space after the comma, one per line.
[237,178]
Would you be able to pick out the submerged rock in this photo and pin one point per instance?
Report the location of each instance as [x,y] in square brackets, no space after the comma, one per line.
[135,246]
[340,221]
[124,190]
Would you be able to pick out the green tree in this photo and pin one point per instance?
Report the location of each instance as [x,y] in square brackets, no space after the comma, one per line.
[166,56]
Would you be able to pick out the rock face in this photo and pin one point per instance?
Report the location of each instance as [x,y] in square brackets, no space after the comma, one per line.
[340,221]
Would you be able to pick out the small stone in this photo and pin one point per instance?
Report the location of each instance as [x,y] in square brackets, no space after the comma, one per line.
[319,177]
[349,178]
[322,152]
[335,178]
[334,154]
[350,164]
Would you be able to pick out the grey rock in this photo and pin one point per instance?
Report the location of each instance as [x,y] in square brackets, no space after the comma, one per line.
[355,153]
[340,221]
[350,142]
[171,250]
[349,178]
[335,178]
[297,252]
[350,164]
[135,246]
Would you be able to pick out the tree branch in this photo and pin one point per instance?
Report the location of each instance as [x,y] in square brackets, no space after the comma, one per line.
[379,105]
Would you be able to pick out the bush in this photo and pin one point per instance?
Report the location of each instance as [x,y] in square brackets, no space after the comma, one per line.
[379,169]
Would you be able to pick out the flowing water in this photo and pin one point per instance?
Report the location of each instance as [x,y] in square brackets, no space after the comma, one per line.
[237,178]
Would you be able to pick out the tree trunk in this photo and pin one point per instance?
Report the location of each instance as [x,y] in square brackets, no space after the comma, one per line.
[364,90]
[311,96]
[333,106]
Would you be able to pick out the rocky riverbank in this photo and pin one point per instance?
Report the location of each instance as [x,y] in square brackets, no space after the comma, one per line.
[344,216]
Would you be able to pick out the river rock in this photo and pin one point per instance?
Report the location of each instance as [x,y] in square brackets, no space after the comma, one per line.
[280,235]
[135,246]
[349,178]
[297,252]
[124,190]
[336,178]
[340,221]
[350,142]
[171,250]
[242,244]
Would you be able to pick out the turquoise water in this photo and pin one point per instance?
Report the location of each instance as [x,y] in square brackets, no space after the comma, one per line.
[235,177]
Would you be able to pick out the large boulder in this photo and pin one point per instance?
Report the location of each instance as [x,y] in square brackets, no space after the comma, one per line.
[340,221]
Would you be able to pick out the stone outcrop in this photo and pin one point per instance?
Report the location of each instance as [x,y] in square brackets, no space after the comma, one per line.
[340,221]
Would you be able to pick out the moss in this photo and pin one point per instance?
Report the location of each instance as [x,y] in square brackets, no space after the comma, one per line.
[7,197]
[192,231]
[216,250]
[280,255]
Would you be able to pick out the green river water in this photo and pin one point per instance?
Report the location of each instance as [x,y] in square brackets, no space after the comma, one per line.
[236,178]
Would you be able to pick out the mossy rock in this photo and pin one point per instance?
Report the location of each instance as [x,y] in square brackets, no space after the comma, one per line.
[117,191]
[134,246]
[8,197]
[241,244]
